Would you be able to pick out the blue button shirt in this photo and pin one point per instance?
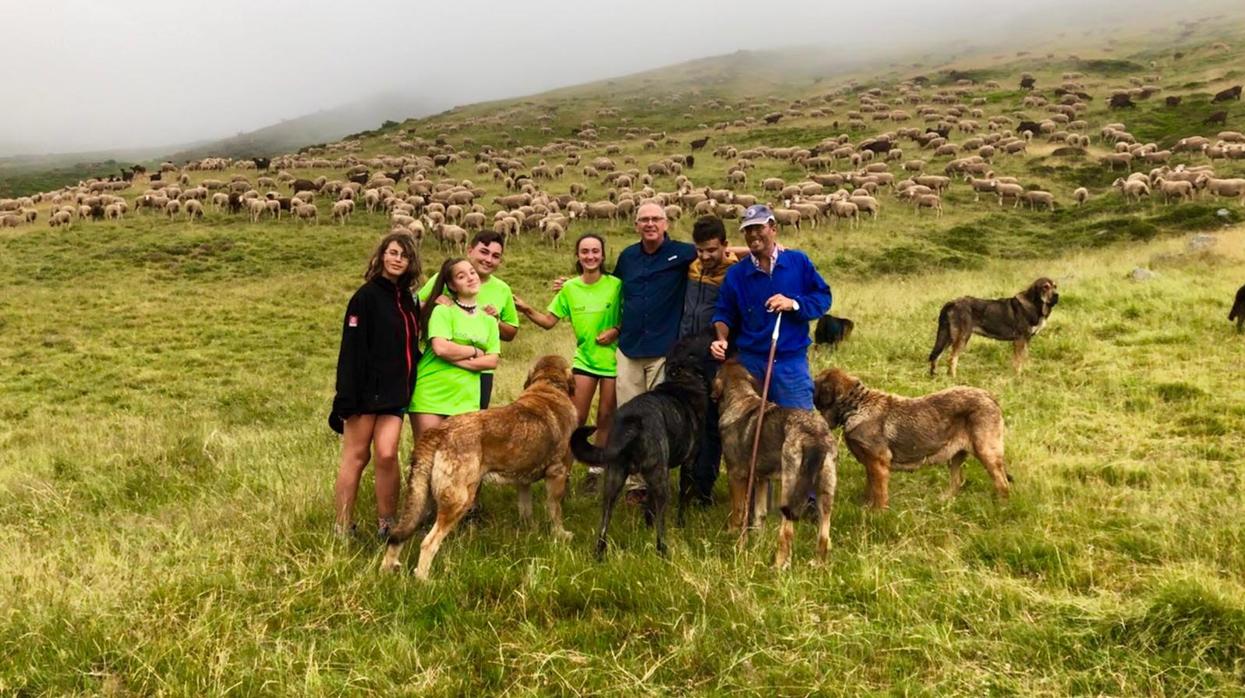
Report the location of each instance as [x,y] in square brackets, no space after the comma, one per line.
[653,286]
[741,303]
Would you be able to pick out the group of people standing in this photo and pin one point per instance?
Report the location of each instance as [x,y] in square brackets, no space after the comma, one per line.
[431,354]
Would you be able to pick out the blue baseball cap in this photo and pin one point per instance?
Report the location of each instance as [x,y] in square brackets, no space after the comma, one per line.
[758,214]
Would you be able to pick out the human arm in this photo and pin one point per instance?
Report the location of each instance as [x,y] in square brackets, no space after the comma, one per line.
[725,316]
[607,337]
[544,320]
[718,347]
[452,351]
[484,358]
[352,357]
[507,319]
[813,299]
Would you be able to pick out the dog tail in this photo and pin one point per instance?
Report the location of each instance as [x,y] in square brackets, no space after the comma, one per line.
[584,451]
[943,340]
[625,435]
[810,465]
[418,487]
[1238,306]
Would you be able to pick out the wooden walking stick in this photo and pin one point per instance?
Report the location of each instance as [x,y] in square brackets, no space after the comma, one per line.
[756,441]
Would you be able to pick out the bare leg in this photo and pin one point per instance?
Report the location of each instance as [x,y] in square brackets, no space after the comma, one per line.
[356,450]
[387,433]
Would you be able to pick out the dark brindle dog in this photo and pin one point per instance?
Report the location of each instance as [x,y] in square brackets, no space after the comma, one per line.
[795,444]
[1014,320]
[653,433]
[891,432]
[832,330]
[1238,310]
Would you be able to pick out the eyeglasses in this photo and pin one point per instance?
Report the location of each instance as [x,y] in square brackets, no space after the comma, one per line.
[642,221]
[397,254]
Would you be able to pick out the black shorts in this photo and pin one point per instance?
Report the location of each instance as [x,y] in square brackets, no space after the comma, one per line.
[486,389]
[590,374]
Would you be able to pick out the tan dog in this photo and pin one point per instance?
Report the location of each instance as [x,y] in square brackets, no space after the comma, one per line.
[888,432]
[795,444]
[1016,320]
[518,444]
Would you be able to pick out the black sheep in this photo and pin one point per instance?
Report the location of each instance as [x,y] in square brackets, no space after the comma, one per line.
[1173,101]
[699,143]
[1230,93]
[1219,117]
[261,164]
[1121,101]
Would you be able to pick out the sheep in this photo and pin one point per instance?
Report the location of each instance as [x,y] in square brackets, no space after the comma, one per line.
[1132,189]
[808,212]
[30,215]
[1040,198]
[845,209]
[60,218]
[1081,195]
[1178,188]
[452,236]
[1009,190]
[773,184]
[10,220]
[1113,159]
[172,208]
[554,232]
[342,210]
[194,209]
[113,212]
[474,220]
[932,201]
[307,212]
[866,204]
[1223,187]
[785,216]
[980,186]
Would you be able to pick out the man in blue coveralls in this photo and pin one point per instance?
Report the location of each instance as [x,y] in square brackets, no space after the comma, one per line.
[771,280]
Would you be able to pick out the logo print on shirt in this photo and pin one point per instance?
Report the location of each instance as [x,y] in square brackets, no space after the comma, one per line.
[672,257]
[353,321]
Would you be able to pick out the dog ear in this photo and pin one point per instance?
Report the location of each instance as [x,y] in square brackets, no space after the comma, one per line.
[823,391]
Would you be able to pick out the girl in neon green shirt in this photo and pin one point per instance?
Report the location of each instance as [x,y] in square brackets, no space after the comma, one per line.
[592,302]
[462,341]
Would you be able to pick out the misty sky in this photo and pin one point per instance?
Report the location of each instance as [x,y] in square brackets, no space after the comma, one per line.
[90,75]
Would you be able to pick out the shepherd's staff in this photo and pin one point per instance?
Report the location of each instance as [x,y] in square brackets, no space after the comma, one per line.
[756,441]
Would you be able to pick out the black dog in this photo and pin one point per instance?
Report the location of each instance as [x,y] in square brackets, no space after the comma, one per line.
[1238,310]
[652,434]
[831,330]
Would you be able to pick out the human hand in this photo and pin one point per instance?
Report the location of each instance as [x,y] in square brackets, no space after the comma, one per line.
[444,300]
[779,303]
[519,305]
[607,337]
[718,349]
[556,284]
[490,310]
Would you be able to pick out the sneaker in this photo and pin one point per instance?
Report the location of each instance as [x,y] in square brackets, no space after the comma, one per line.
[345,533]
[591,483]
[383,527]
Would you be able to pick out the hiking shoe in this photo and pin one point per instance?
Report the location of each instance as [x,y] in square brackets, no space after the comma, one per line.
[345,533]
[591,483]
[637,497]
[383,527]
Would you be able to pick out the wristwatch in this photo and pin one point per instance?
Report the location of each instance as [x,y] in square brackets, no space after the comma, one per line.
[795,305]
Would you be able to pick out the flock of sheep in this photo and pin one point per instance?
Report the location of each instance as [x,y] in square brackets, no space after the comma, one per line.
[947,140]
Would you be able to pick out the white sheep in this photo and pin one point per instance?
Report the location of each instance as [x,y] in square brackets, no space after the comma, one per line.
[1081,195]
[342,210]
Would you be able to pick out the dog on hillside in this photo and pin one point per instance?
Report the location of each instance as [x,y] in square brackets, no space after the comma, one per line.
[517,444]
[652,434]
[890,432]
[1238,310]
[831,330]
[795,444]
[1014,320]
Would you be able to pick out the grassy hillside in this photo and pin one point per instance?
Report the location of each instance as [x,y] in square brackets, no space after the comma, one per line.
[166,469]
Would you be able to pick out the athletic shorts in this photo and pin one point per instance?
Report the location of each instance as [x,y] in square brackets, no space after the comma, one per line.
[791,384]
[486,389]
[590,374]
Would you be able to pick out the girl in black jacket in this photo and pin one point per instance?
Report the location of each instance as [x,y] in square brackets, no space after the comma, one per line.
[375,377]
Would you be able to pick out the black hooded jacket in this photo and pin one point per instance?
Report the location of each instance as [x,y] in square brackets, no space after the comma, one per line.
[379,350]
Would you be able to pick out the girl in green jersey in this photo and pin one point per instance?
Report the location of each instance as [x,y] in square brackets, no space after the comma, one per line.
[462,341]
[591,301]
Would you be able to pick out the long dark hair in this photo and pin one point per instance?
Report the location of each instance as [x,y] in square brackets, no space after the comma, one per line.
[414,268]
[579,268]
[438,289]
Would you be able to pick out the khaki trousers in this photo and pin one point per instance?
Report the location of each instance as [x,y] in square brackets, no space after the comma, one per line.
[636,377]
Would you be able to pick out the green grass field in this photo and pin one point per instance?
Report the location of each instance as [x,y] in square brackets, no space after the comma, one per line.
[166,468]
[167,472]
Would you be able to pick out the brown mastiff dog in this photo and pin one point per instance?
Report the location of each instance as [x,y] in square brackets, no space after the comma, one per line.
[888,432]
[1014,320]
[518,444]
[795,444]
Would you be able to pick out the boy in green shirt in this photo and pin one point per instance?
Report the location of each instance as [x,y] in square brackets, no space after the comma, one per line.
[496,298]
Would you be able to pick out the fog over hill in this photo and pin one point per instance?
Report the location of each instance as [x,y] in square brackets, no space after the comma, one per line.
[151,73]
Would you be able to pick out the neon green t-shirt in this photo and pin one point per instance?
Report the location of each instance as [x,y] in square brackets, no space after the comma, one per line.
[494,292]
[592,308]
[440,386]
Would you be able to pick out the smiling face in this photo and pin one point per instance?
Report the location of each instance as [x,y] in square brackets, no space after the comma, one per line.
[590,254]
[464,280]
[760,239]
[651,223]
[395,261]
[711,253]
[485,257]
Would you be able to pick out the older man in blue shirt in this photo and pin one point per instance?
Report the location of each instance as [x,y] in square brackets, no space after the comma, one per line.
[772,280]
